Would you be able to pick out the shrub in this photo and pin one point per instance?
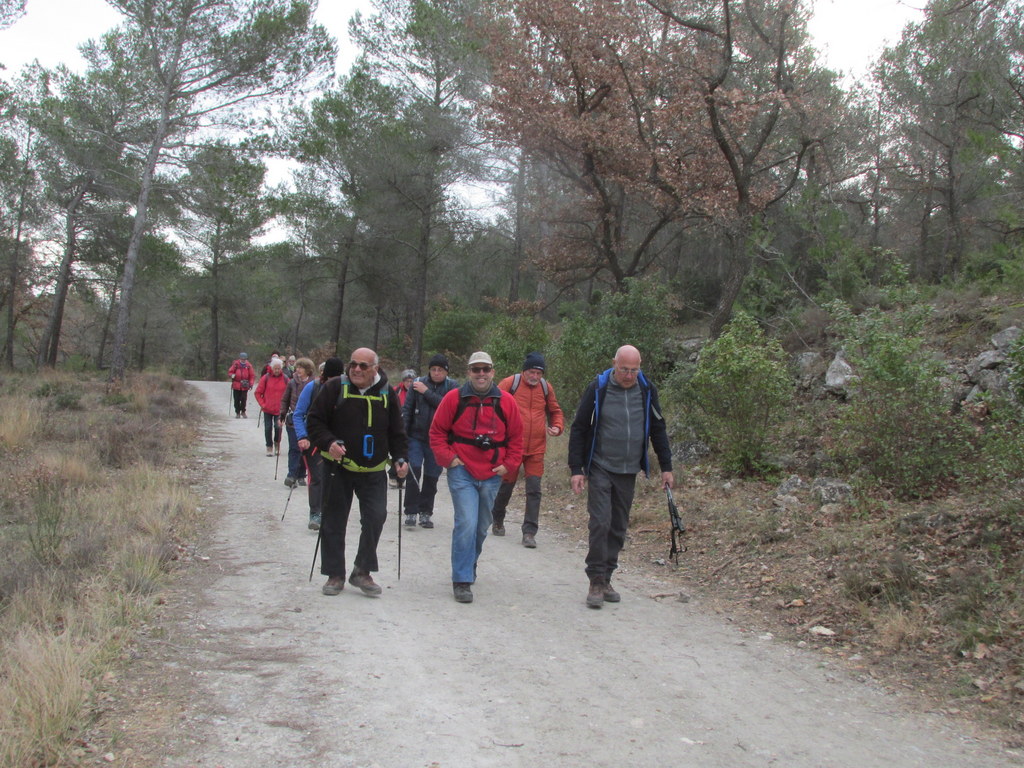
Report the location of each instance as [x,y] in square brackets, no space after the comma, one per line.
[511,339]
[638,316]
[897,429]
[454,328]
[739,388]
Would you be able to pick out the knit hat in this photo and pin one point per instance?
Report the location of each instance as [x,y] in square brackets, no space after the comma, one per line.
[534,360]
[480,358]
[438,360]
[333,366]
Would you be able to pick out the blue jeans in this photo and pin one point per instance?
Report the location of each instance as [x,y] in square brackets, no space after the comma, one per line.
[472,500]
[296,468]
[419,497]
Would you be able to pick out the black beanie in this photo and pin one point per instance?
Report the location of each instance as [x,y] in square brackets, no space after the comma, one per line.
[534,360]
[438,359]
[333,367]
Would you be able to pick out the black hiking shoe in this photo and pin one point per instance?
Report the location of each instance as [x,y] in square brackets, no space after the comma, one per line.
[463,594]
[410,521]
[426,522]
[529,541]
[498,529]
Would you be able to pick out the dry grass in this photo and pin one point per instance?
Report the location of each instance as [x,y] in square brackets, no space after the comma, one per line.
[86,546]
[19,423]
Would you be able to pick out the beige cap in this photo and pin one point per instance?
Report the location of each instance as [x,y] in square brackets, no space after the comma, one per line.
[480,357]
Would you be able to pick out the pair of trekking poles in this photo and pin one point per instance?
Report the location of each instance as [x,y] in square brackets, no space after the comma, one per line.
[316,550]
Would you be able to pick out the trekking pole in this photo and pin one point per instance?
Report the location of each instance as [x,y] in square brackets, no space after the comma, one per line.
[290,489]
[258,418]
[401,487]
[277,461]
[678,526]
[231,400]
[316,551]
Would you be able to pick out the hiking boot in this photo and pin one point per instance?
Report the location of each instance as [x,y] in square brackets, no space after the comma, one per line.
[314,522]
[610,595]
[244,416]
[410,521]
[302,481]
[498,529]
[365,582]
[426,522]
[238,415]
[334,585]
[529,541]
[270,451]
[595,597]
[290,481]
[463,594]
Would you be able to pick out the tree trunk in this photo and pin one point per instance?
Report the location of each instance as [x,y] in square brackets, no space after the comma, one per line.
[50,343]
[739,267]
[344,257]
[14,272]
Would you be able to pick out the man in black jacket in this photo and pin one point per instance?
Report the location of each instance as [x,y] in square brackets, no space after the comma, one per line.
[356,422]
[617,416]
[417,413]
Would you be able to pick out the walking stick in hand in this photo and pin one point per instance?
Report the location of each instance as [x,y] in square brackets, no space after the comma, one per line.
[401,487]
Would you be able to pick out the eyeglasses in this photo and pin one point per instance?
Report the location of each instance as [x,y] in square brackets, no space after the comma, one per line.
[481,369]
[359,365]
[628,371]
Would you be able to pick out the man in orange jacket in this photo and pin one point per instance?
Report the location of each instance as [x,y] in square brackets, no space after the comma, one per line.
[542,416]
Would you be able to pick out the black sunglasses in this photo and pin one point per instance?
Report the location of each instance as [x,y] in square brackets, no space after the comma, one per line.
[357,364]
[480,369]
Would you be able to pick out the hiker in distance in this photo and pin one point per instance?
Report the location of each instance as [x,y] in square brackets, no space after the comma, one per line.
[425,394]
[356,423]
[477,434]
[333,366]
[243,378]
[542,416]
[617,416]
[303,374]
[269,392]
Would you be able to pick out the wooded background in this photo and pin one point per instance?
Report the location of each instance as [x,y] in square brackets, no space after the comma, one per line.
[490,173]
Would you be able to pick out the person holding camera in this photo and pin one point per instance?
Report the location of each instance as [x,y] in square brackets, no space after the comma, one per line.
[243,376]
[477,434]
[356,422]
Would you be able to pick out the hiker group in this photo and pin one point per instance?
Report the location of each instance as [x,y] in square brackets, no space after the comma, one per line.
[350,431]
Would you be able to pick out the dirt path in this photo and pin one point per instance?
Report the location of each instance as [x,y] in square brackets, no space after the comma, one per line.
[253,667]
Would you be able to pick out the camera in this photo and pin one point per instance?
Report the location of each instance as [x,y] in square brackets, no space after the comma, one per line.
[484,442]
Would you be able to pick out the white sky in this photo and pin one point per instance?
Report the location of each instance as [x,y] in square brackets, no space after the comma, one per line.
[850,33]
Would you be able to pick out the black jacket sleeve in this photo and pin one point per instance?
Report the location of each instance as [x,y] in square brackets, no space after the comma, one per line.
[582,430]
[659,434]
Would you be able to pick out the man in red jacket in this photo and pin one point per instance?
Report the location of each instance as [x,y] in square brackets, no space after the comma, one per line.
[477,434]
[268,394]
[243,378]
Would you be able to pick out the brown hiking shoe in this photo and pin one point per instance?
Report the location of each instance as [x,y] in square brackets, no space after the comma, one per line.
[365,582]
[595,597]
[610,595]
[334,585]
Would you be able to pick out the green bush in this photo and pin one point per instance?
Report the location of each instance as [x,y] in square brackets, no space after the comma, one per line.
[638,315]
[897,429]
[511,339]
[456,329]
[739,389]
